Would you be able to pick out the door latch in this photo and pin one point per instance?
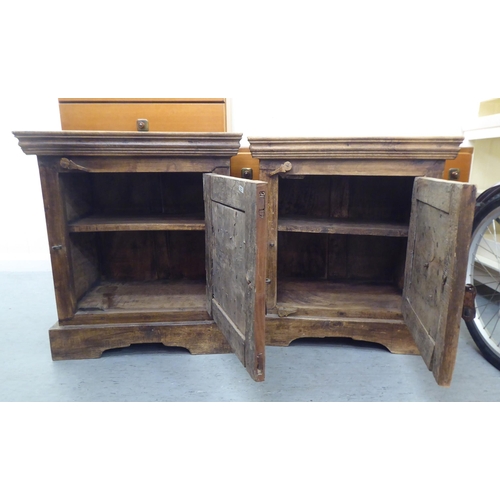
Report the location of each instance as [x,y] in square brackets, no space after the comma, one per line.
[469,309]
[282,169]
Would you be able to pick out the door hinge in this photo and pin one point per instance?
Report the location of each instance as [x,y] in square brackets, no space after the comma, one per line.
[262,204]
[469,309]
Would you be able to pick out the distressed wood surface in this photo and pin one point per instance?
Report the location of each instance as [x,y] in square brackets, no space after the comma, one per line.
[345,300]
[438,245]
[272,207]
[176,194]
[392,334]
[132,144]
[90,341]
[368,198]
[59,243]
[137,223]
[181,295]
[134,165]
[339,257]
[328,226]
[236,247]
[443,148]
[152,255]
[125,247]
[357,167]
[86,268]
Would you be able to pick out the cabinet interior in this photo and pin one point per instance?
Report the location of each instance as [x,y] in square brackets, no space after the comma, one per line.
[341,243]
[137,240]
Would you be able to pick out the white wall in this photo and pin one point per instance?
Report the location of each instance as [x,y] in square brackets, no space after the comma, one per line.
[365,68]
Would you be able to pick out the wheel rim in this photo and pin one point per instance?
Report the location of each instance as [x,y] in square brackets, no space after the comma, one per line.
[483,270]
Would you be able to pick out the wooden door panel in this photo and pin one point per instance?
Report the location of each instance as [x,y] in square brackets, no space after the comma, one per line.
[236,233]
[438,244]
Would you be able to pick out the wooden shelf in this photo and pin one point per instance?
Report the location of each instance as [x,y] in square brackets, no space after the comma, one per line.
[101,223]
[321,298]
[342,226]
[162,300]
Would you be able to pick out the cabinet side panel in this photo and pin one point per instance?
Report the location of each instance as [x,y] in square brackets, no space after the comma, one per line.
[59,244]
[85,259]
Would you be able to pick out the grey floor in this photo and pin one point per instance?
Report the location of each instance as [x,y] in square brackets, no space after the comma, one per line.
[330,370]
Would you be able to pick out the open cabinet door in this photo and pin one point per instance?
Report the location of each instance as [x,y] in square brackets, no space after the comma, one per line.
[236,234]
[438,245]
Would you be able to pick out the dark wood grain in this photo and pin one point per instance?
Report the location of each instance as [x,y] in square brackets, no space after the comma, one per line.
[338,226]
[392,334]
[90,341]
[208,146]
[366,148]
[59,243]
[102,223]
[314,298]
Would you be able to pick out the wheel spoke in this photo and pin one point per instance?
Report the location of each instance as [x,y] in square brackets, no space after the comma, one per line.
[484,272]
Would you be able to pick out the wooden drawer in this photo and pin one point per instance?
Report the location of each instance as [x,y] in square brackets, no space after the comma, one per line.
[460,165]
[163,115]
[242,160]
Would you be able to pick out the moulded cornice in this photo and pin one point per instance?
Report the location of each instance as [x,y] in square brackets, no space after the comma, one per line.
[435,148]
[83,143]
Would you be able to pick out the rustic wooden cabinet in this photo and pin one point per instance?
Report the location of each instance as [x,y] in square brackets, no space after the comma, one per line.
[364,241]
[126,229]
[151,240]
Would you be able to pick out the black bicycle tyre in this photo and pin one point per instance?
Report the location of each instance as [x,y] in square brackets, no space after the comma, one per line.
[486,212]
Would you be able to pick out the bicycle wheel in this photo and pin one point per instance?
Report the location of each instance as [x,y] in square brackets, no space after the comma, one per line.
[483,271]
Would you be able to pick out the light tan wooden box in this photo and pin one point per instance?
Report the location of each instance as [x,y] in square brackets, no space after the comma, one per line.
[461,164]
[163,114]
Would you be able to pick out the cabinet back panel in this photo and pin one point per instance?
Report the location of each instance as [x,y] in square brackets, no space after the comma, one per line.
[358,198]
[309,196]
[152,255]
[341,257]
[302,255]
[147,193]
[380,198]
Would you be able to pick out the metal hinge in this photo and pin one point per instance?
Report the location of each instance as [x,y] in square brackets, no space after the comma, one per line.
[469,309]
[261,204]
